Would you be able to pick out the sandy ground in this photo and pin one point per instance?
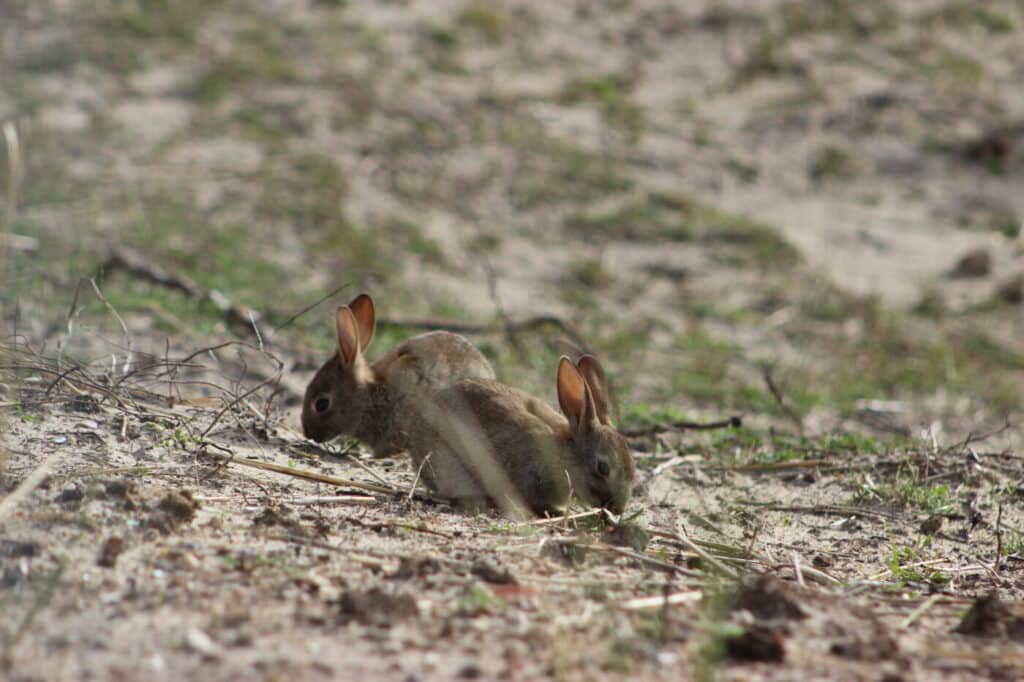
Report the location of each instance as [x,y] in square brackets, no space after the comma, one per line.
[882,142]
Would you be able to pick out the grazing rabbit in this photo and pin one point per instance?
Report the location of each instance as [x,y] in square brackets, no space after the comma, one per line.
[348,396]
[481,442]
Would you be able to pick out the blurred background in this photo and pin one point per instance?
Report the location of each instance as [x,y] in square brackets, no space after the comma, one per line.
[808,213]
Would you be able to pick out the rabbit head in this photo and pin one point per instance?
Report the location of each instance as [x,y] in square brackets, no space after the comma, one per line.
[337,396]
[602,454]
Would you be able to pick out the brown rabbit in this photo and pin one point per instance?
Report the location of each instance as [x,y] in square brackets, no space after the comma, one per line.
[348,396]
[481,442]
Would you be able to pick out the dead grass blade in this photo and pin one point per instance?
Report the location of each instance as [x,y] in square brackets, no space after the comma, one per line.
[27,485]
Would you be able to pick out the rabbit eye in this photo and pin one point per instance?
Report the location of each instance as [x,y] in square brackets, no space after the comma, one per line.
[602,467]
[321,404]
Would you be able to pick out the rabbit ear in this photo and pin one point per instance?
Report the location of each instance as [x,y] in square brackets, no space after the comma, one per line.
[574,396]
[366,317]
[593,374]
[348,335]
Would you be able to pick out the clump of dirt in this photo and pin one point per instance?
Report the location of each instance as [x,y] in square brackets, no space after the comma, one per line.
[757,643]
[111,549]
[416,567]
[490,573]
[14,549]
[279,515]
[631,535]
[175,509]
[70,495]
[376,607]
[768,598]
[567,552]
[123,490]
[991,617]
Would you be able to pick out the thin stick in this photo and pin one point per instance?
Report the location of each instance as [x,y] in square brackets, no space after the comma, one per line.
[733,422]
[819,577]
[642,558]
[311,306]
[124,328]
[999,537]
[323,478]
[773,466]
[920,611]
[416,480]
[369,561]
[305,501]
[30,483]
[829,510]
[797,572]
[312,476]
[658,601]
[681,536]
[776,392]
[560,519]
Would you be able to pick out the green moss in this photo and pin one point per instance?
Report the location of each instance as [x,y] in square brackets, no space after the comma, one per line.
[257,55]
[612,94]
[673,217]
[963,13]
[144,21]
[482,18]
[833,163]
[905,563]
[560,172]
[954,68]
[590,273]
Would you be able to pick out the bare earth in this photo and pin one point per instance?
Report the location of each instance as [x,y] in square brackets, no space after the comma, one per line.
[743,208]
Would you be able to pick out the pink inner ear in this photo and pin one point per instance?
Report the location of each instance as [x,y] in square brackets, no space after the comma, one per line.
[572,393]
[348,336]
[366,318]
[594,375]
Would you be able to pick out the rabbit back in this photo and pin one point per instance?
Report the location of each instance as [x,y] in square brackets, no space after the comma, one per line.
[483,443]
[430,361]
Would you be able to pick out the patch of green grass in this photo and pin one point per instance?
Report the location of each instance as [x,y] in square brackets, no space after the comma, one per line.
[771,55]
[747,445]
[144,21]
[263,125]
[441,49]
[769,58]
[896,357]
[406,237]
[560,172]
[644,414]
[908,489]
[825,304]
[484,19]
[484,243]
[258,55]
[478,600]
[852,20]
[124,37]
[673,217]
[1013,543]
[964,13]
[956,69]
[228,257]
[904,564]
[612,93]
[833,163]
[590,273]
[308,192]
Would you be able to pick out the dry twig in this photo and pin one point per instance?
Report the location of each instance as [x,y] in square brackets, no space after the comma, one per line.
[733,422]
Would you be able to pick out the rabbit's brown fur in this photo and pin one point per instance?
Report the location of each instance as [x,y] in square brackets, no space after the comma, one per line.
[482,442]
[349,396]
